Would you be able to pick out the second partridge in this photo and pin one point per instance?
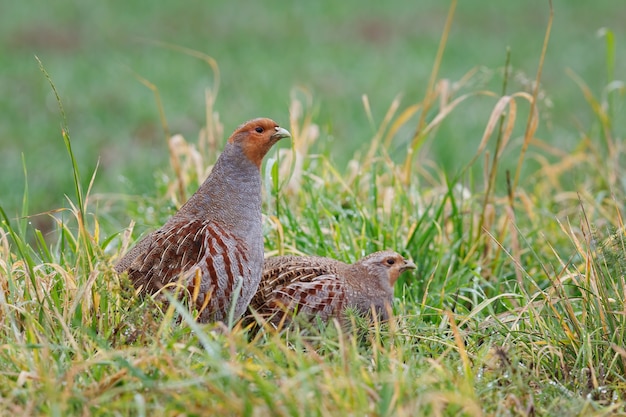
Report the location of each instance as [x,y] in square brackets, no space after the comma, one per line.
[324,287]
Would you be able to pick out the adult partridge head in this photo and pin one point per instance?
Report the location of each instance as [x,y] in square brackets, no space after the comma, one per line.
[324,287]
[213,245]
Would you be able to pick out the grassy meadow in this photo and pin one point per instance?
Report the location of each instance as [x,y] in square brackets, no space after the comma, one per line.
[452,133]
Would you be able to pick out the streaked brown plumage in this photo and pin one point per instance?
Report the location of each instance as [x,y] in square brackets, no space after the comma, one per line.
[215,239]
[324,287]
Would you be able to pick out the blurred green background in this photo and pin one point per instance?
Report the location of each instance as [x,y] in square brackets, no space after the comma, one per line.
[337,50]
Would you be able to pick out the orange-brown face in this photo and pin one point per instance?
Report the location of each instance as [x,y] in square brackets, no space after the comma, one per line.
[257,136]
[387,263]
[397,265]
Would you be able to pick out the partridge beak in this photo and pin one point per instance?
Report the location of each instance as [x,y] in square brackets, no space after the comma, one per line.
[281,133]
[408,265]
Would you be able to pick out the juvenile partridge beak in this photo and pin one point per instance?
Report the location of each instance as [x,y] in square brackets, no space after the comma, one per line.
[408,265]
[281,133]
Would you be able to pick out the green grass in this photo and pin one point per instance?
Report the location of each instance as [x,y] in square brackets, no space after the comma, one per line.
[517,306]
[337,51]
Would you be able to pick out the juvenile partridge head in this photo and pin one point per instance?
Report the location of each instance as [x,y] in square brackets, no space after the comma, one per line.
[386,265]
[324,287]
[215,241]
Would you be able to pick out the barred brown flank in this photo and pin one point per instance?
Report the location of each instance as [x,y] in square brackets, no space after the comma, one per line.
[216,236]
[324,287]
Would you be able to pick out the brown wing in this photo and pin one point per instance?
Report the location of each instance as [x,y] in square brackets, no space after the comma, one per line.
[207,259]
[321,297]
[280,271]
[173,249]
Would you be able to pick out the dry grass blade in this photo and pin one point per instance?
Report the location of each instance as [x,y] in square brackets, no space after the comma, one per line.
[429,97]
[532,122]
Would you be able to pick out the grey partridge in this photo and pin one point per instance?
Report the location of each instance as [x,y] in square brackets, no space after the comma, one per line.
[213,245]
[324,287]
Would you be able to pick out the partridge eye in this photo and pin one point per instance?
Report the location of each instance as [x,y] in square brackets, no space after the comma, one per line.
[259,130]
[390,261]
